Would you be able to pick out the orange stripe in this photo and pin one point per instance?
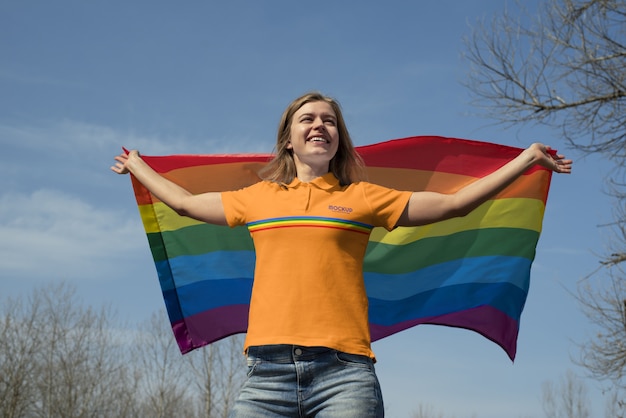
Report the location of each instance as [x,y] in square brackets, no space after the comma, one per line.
[533,185]
[222,177]
[207,178]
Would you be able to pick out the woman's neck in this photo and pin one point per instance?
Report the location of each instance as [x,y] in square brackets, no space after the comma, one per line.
[307,173]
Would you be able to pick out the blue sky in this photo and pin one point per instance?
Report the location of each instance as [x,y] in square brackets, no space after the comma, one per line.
[79,79]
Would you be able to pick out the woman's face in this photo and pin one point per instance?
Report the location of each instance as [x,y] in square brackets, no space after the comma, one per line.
[314,137]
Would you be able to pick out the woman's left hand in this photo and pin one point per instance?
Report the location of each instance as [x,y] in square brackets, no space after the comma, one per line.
[545,157]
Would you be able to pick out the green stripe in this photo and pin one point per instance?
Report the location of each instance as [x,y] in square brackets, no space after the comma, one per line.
[394,259]
[199,239]
[155,240]
[380,257]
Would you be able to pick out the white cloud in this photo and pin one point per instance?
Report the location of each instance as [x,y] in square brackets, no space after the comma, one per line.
[63,213]
[69,139]
[72,138]
[49,233]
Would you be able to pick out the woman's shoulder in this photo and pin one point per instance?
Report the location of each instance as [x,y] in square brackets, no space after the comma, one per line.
[261,185]
[366,184]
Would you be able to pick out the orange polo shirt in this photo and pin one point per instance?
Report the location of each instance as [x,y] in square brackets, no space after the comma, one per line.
[310,240]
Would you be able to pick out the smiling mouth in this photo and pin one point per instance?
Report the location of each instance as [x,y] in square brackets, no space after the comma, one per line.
[318,139]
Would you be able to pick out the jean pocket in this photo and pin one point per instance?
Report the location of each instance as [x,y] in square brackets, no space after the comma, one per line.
[354,360]
[252,364]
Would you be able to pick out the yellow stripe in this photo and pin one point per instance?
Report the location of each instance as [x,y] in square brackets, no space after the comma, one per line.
[512,213]
[519,213]
[169,220]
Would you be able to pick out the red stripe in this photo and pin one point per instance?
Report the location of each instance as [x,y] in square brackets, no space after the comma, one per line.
[435,153]
[164,164]
[430,153]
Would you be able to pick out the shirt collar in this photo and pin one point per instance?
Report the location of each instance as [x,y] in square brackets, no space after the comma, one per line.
[325,182]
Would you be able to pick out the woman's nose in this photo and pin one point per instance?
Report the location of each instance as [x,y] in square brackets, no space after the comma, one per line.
[319,124]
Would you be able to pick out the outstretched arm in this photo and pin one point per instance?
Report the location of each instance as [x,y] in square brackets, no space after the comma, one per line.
[428,207]
[206,207]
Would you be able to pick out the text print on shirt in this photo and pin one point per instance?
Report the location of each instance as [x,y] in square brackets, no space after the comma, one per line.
[341,209]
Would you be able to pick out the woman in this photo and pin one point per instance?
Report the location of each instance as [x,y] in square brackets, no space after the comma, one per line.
[310,220]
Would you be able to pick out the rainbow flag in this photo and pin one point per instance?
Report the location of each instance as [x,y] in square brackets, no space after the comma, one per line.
[471,272]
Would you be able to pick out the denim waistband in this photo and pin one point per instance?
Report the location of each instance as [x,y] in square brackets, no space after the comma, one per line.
[286,353]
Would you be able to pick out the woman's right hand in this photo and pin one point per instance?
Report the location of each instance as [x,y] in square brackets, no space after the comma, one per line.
[123,160]
[205,207]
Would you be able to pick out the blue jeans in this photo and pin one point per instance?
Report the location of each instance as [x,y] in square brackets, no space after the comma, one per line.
[295,381]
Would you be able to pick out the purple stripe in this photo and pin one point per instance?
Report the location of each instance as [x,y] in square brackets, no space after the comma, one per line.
[486,320]
[209,326]
[215,324]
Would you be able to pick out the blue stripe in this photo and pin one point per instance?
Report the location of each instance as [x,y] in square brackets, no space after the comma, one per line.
[217,265]
[491,269]
[224,265]
[210,294]
[508,298]
[502,296]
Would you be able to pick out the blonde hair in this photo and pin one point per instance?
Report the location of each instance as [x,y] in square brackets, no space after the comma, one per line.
[346,165]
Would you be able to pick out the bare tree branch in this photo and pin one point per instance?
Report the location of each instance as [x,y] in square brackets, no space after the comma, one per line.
[565,66]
